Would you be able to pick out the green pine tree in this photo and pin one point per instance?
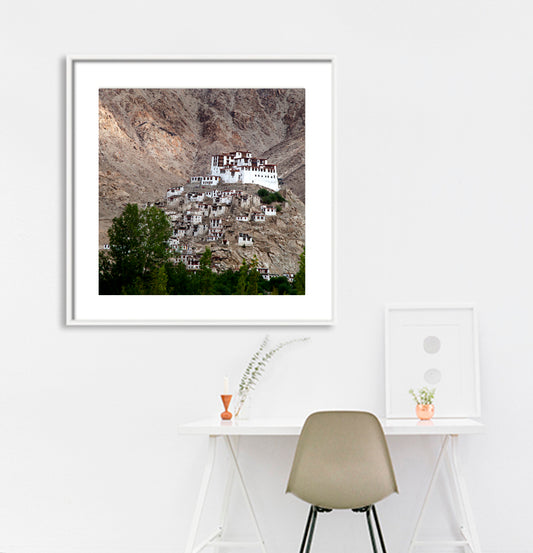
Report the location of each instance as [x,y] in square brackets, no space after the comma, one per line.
[299,277]
[206,277]
[243,279]
[252,287]
[138,245]
[158,282]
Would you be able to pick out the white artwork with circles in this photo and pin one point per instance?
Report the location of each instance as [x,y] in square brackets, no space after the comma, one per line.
[434,347]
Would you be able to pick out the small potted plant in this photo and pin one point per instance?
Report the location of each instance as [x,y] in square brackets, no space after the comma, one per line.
[424,402]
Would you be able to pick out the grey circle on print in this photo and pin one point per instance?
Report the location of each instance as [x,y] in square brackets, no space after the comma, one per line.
[431,344]
[432,376]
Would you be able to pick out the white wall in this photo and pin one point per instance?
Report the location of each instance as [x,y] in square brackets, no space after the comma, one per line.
[435,106]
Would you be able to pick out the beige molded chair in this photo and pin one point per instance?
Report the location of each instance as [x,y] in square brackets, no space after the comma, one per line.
[342,462]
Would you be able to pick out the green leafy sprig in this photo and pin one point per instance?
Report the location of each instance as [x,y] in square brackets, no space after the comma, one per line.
[256,367]
[423,396]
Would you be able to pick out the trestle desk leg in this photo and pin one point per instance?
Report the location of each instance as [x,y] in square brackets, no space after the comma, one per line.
[465,517]
[227,494]
[469,532]
[200,502]
[240,478]
[440,458]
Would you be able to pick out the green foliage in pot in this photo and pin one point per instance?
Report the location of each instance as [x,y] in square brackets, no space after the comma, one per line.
[423,396]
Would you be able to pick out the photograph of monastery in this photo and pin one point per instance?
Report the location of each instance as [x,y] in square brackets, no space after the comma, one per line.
[201,191]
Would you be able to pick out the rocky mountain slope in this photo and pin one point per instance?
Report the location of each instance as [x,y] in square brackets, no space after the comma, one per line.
[151,140]
[277,240]
[154,139]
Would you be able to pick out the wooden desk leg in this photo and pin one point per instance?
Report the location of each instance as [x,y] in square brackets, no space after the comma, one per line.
[200,502]
[240,478]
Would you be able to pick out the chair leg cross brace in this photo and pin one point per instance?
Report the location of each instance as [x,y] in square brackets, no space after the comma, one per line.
[369,510]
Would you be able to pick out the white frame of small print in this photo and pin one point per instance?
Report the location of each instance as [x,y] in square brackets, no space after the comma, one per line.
[85,76]
[435,346]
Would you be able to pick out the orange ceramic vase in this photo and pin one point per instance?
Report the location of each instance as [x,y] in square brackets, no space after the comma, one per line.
[425,412]
[226,415]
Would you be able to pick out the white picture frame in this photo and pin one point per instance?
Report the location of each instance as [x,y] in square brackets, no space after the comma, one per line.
[85,76]
[434,346]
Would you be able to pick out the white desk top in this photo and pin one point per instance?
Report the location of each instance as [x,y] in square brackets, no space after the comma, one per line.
[292,427]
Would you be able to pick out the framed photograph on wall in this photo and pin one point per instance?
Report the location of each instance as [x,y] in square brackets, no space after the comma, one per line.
[434,346]
[199,190]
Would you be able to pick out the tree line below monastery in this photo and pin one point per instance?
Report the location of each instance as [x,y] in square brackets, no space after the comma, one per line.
[138,262]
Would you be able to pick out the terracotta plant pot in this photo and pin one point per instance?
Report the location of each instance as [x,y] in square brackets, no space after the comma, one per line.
[425,412]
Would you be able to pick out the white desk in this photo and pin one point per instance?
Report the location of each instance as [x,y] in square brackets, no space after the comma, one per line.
[230,431]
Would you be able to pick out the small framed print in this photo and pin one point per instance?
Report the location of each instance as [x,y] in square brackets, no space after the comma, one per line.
[433,346]
[199,190]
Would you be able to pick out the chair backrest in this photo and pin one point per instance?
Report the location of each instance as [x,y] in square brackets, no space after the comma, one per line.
[342,461]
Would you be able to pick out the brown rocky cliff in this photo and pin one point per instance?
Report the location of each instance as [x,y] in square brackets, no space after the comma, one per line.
[278,241]
[153,139]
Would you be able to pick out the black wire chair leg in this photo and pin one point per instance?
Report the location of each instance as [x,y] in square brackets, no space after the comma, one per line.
[311,529]
[306,531]
[370,531]
[380,534]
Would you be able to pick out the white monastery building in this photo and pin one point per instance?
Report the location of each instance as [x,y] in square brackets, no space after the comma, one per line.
[245,239]
[269,210]
[211,180]
[241,167]
[174,192]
